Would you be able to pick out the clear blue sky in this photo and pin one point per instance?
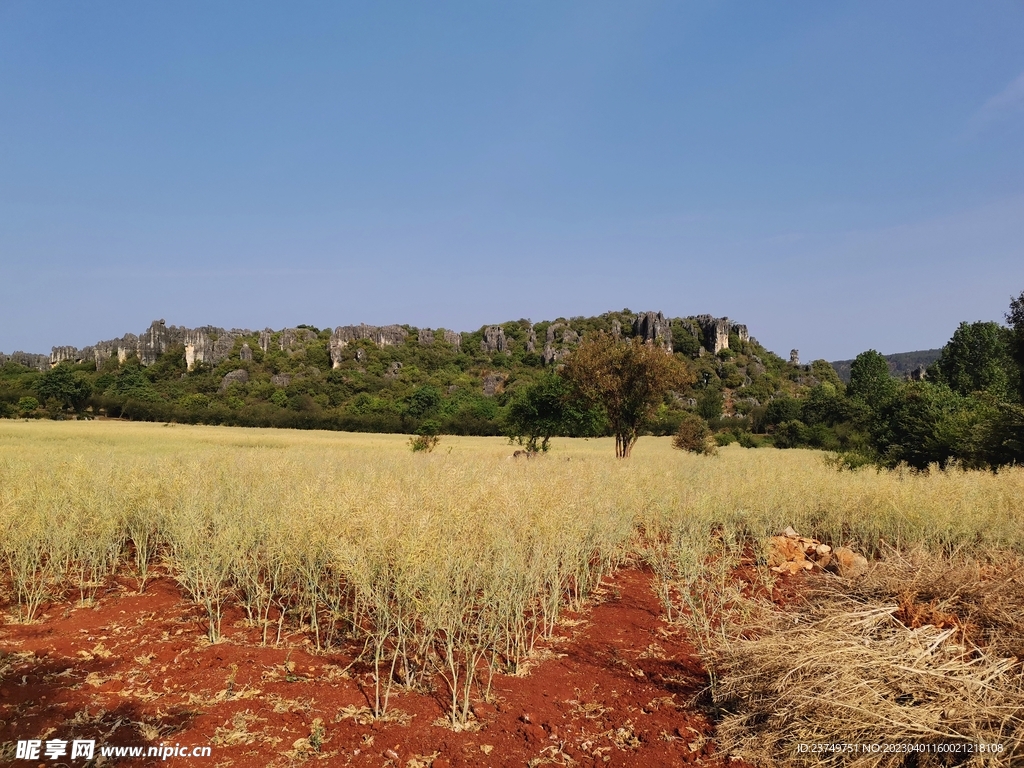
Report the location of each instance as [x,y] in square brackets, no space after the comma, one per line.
[838,176]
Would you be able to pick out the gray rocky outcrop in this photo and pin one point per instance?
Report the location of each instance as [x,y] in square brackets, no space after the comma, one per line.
[553,354]
[616,330]
[493,383]
[454,338]
[245,353]
[716,332]
[382,336]
[266,337]
[393,370]
[654,328]
[27,359]
[280,379]
[238,376]
[426,337]
[494,340]
[60,355]
[741,332]
[292,338]
[531,340]
[794,357]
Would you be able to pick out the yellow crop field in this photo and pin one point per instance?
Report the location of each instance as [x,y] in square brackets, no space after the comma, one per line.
[451,563]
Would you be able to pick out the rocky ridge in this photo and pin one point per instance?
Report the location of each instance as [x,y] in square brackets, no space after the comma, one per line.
[210,345]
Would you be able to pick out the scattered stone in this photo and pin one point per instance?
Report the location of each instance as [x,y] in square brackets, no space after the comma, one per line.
[791,553]
[850,564]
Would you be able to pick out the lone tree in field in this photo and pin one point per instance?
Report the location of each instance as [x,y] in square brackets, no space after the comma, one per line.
[628,379]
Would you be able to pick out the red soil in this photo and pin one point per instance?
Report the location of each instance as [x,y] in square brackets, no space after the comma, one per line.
[137,670]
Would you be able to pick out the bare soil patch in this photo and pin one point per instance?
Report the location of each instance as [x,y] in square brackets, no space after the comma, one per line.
[611,689]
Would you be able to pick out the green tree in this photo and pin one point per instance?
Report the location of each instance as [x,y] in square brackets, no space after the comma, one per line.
[710,404]
[781,409]
[823,371]
[424,400]
[131,383]
[870,380]
[546,408]
[824,405]
[1015,318]
[66,389]
[977,359]
[627,379]
[27,406]
[925,424]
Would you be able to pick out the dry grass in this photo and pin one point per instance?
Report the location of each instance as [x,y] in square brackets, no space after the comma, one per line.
[914,653]
[451,565]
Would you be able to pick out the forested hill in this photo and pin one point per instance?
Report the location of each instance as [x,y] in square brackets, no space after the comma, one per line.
[901,364]
[393,378]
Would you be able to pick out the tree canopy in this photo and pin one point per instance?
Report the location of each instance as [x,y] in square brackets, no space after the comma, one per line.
[627,379]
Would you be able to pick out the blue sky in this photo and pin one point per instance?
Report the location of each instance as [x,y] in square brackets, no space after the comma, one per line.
[838,176]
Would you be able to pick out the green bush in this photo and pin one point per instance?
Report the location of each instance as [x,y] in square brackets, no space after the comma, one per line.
[694,435]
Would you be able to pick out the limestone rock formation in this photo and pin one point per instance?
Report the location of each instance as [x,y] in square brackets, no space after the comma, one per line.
[393,370]
[494,340]
[266,335]
[454,338]
[383,336]
[794,357]
[426,337]
[245,353]
[553,354]
[531,340]
[238,376]
[198,348]
[60,355]
[493,383]
[654,328]
[716,332]
[616,330]
[295,337]
[741,332]
[390,336]
[281,380]
[27,359]
[154,342]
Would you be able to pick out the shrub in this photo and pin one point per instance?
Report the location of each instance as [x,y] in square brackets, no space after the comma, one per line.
[27,406]
[694,435]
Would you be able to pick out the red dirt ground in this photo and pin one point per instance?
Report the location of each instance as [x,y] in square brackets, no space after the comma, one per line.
[136,670]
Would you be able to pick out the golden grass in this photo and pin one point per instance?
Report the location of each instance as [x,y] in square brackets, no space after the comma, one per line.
[449,563]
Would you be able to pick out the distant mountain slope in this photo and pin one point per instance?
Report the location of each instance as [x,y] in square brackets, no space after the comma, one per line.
[900,363]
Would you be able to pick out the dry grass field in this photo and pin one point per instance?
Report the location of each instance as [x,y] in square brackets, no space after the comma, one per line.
[451,569]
